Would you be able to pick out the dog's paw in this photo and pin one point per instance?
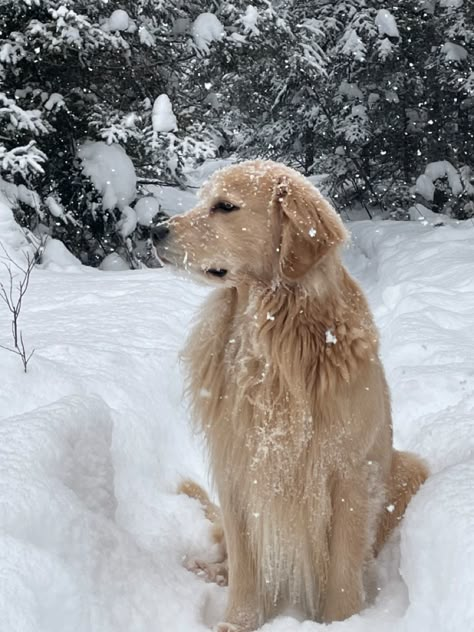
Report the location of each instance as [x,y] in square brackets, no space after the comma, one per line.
[216,572]
[228,627]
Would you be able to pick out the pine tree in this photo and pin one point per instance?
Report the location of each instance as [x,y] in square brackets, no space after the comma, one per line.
[79,70]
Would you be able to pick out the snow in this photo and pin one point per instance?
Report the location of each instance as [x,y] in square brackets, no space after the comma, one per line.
[454,52]
[146,208]
[118,21]
[425,187]
[353,45]
[12,238]
[95,438]
[451,3]
[172,200]
[57,257]
[146,38]
[330,338]
[163,119]
[350,90]
[114,263]
[386,23]
[434,171]
[447,551]
[55,102]
[207,28]
[111,171]
[249,20]
[128,222]
[54,207]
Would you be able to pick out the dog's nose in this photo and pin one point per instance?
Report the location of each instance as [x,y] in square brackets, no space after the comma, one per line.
[160,231]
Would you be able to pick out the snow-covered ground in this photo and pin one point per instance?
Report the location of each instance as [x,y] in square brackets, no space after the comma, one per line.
[95,438]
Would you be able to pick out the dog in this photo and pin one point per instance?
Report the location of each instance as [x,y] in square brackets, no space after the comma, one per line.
[286,383]
[216,571]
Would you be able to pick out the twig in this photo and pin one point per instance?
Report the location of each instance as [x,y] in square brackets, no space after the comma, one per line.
[13,298]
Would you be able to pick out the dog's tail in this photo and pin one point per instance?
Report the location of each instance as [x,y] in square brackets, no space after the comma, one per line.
[211,511]
[408,472]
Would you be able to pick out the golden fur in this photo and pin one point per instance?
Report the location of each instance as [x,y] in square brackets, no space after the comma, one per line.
[287,385]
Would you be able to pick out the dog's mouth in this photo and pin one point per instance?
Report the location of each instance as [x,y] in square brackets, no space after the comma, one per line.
[217,272]
[164,257]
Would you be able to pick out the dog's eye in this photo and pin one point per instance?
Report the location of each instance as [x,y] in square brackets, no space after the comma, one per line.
[224,207]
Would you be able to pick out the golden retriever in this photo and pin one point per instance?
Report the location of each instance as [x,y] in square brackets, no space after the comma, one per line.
[287,386]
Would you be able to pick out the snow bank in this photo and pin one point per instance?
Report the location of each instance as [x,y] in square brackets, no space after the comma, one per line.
[111,171]
[57,491]
[12,238]
[207,28]
[57,257]
[94,441]
[438,553]
[162,117]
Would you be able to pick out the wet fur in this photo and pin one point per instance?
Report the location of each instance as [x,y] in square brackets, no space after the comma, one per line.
[286,383]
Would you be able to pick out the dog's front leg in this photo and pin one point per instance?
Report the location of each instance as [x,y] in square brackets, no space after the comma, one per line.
[349,548]
[242,613]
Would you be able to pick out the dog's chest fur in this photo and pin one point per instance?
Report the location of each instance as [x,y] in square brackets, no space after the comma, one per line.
[262,410]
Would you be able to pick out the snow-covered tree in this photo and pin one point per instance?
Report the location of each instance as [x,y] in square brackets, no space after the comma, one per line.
[370,92]
[72,71]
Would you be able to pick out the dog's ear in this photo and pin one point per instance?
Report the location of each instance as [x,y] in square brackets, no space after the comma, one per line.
[310,227]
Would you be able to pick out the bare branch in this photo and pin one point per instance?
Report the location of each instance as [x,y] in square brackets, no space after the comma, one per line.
[13,299]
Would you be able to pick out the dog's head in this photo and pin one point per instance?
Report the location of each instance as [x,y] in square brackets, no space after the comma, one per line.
[255,220]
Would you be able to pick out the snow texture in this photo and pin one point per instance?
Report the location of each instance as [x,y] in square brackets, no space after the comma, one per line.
[386,23]
[95,438]
[111,171]
[163,119]
[207,28]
